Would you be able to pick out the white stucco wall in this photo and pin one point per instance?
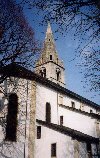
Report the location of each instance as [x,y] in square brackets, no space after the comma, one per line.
[44,95]
[64,144]
[67,102]
[72,119]
[78,121]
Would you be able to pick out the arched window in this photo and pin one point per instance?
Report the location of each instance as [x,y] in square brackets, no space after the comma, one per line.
[48,112]
[50,57]
[43,72]
[11,126]
[58,72]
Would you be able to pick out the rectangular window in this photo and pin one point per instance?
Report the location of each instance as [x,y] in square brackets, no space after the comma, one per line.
[38,132]
[61,120]
[60,99]
[48,112]
[53,150]
[73,104]
[50,57]
[82,107]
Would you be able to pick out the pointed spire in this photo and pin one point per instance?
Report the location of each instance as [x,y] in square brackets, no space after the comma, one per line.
[49,33]
[49,49]
[49,28]
[49,60]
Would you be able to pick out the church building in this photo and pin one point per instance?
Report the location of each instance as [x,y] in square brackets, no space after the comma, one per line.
[40,118]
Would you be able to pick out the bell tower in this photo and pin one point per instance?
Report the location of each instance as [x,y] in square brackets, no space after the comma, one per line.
[49,65]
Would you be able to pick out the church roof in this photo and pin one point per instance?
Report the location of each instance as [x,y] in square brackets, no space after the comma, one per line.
[70,132]
[21,72]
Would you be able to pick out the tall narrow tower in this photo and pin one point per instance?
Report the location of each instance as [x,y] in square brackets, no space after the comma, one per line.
[49,65]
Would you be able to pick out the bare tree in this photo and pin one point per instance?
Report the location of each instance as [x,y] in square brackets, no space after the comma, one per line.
[17,41]
[83,17]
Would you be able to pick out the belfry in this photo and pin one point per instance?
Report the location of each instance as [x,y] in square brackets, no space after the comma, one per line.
[49,65]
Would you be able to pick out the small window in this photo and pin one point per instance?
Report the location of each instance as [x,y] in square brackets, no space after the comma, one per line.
[91,111]
[43,72]
[58,72]
[61,120]
[53,150]
[50,57]
[38,132]
[73,104]
[82,107]
[60,99]
[49,39]
[48,112]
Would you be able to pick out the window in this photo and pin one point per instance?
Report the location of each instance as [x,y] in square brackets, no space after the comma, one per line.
[50,57]
[58,76]
[57,60]
[73,104]
[60,99]
[91,111]
[97,128]
[53,150]
[11,127]
[89,150]
[82,107]
[43,72]
[48,112]
[61,120]
[38,132]
[58,72]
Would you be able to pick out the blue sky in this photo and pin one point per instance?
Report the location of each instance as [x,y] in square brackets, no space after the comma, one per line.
[66,50]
